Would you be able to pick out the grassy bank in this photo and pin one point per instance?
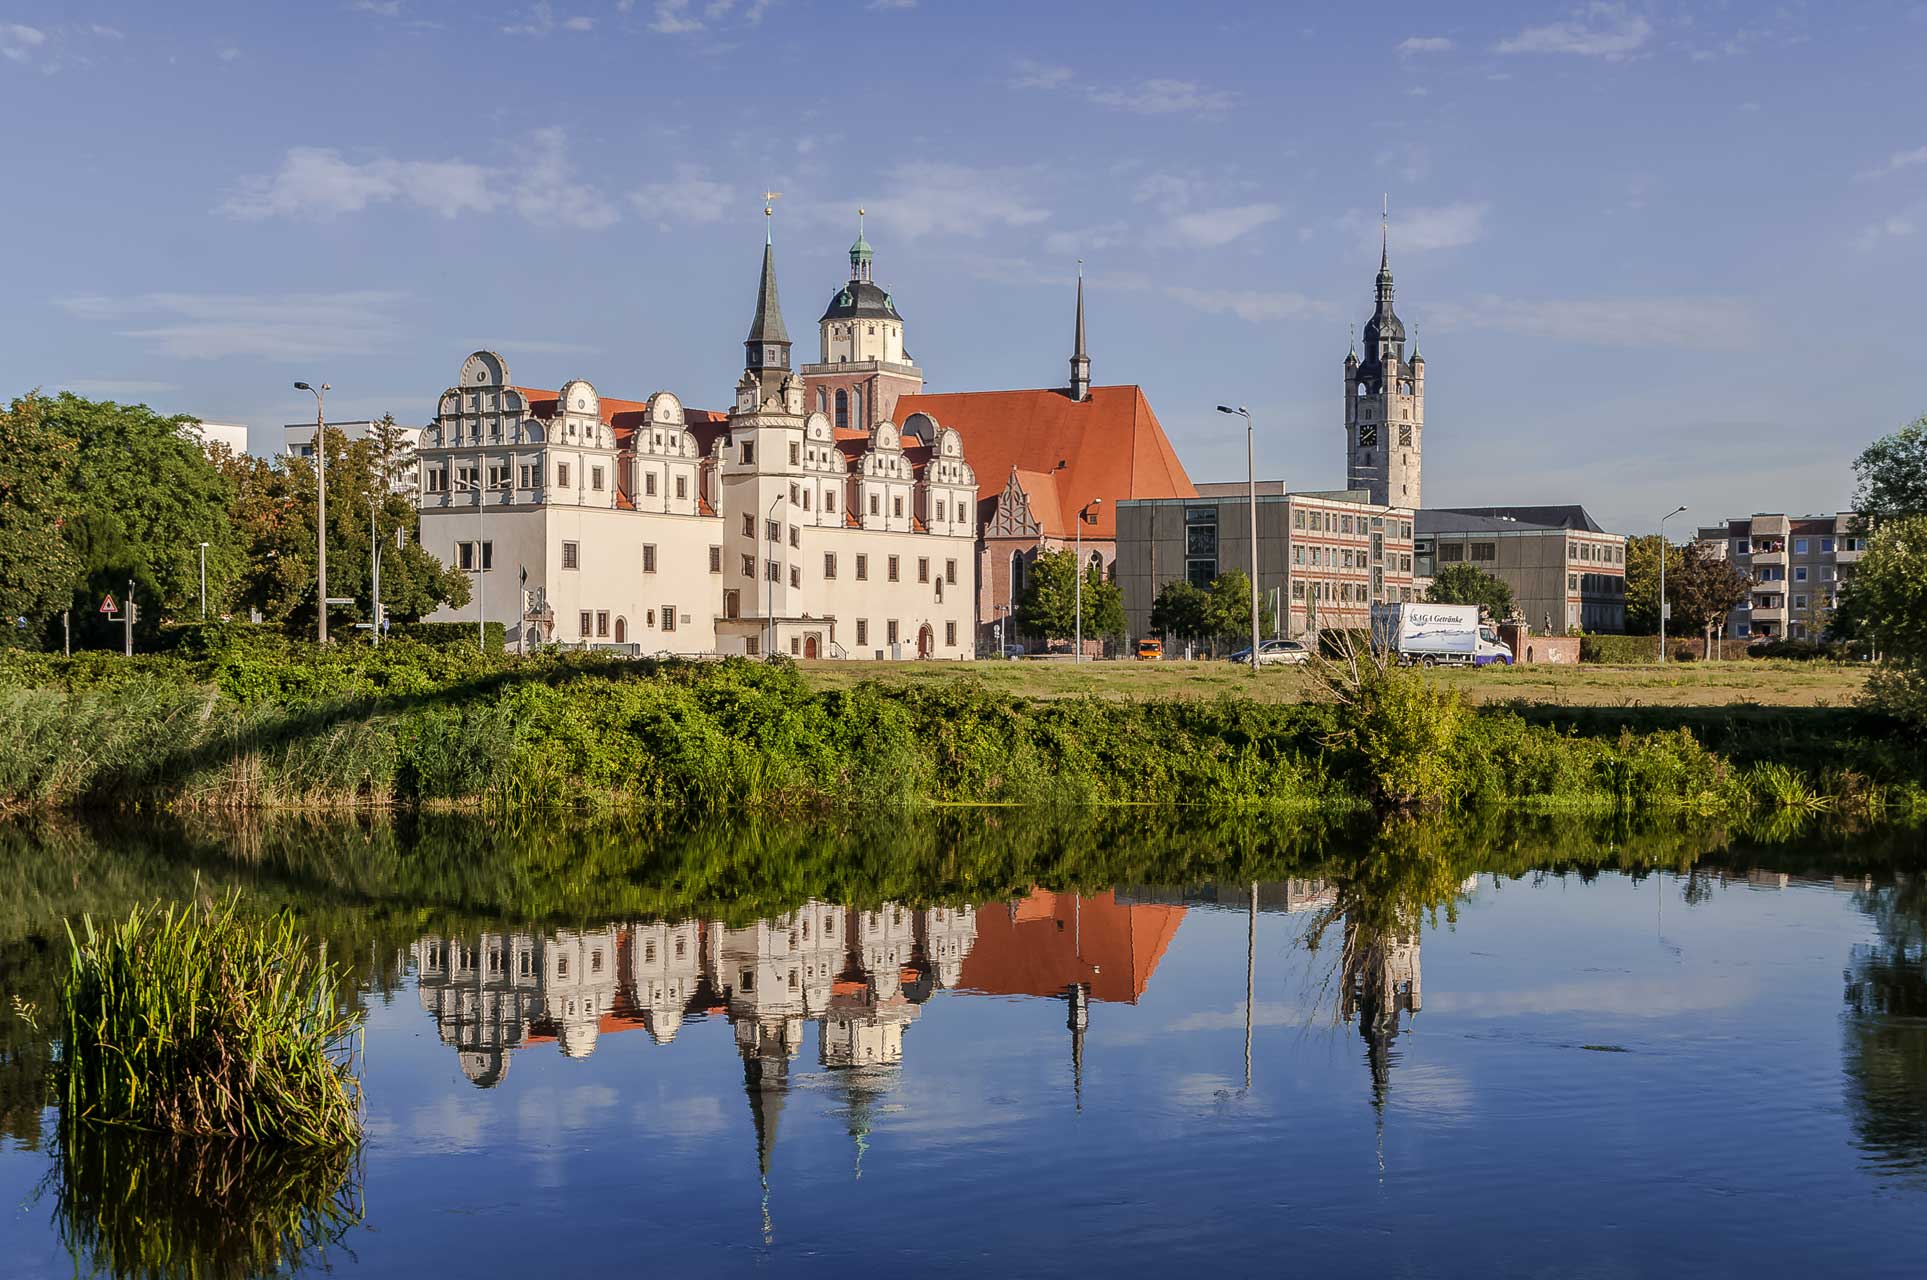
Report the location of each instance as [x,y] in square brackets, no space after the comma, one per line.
[410,725]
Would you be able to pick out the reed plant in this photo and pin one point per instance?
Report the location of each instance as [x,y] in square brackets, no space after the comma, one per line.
[194,1020]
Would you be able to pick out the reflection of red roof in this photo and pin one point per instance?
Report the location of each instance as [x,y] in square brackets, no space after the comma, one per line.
[1111,444]
[1050,941]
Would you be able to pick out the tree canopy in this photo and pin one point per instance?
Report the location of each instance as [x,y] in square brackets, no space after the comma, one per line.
[1469,584]
[1893,474]
[1642,581]
[1049,606]
[1704,588]
[37,565]
[1889,595]
[1180,610]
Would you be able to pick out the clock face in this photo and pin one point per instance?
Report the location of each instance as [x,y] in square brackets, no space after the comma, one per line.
[1368,435]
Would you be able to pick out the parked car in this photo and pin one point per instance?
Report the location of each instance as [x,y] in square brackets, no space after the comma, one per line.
[1013,651]
[1289,652]
[1150,650]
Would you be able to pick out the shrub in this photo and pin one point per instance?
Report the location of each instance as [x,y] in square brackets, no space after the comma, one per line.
[1618,650]
[1403,728]
[453,633]
[191,1021]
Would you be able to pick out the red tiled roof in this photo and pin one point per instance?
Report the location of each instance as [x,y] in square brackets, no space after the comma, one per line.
[1052,940]
[1111,444]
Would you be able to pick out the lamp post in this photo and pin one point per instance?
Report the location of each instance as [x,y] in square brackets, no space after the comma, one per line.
[320,509]
[1251,482]
[481,583]
[1077,593]
[1662,579]
[769,589]
[204,582]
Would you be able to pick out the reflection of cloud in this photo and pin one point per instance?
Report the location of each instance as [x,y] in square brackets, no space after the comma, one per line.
[1233,1019]
[543,1113]
[1644,998]
[1422,1086]
[1203,1088]
[451,1123]
[683,1117]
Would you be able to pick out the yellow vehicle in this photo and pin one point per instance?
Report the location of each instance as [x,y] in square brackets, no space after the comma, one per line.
[1150,650]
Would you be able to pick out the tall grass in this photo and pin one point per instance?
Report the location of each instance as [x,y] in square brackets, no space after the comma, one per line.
[192,1020]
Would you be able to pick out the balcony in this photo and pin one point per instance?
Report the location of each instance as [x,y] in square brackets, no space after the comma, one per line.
[1763,556]
[1847,556]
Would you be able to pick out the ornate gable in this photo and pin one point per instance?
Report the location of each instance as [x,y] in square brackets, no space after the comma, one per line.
[1013,519]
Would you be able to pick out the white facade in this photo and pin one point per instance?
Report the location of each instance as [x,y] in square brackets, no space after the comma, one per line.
[589,521]
[231,435]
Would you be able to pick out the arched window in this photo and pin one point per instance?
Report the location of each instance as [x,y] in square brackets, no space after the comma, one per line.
[856,407]
[842,409]
[1018,574]
[622,630]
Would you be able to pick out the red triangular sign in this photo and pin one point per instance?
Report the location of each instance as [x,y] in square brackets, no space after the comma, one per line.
[107,605]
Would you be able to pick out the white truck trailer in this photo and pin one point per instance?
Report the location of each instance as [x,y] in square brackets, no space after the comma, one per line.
[1437,635]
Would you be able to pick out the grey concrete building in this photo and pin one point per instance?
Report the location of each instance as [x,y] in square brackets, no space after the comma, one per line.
[1564,569]
[1325,557]
[1796,564]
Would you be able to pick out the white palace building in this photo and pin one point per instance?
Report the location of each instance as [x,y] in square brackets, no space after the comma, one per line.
[587,520]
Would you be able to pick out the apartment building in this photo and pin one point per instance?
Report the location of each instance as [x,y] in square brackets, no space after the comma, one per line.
[1564,569]
[1324,558]
[1796,565]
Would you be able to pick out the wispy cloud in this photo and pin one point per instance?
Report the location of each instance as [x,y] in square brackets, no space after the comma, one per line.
[1423,230]
[1077,241]
[19,42]
[1424,44]
[1700,324]
[541,21]
[1257,306]
[1156,97]
[1896,162]
[320,183]
[1892,227]
[1597,30]
[1192,216]
[691,196]
[1213,228]
[209,326]
[380,8]
[935,198]
[114,388]
[684,17]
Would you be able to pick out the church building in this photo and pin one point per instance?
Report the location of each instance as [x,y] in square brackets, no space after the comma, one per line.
[1385,405]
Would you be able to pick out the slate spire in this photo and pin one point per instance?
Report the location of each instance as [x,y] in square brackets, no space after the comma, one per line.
[1080,359]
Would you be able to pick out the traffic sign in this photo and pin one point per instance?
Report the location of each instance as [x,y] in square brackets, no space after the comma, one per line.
[107,605]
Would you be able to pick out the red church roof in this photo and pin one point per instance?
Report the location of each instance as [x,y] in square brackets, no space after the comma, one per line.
[1051,940]
[1111,445]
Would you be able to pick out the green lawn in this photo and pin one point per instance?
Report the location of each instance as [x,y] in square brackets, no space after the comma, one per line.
[1690,684]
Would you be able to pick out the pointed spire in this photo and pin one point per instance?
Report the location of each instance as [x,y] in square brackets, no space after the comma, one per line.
[860,253]
[1080,359]
[768,345]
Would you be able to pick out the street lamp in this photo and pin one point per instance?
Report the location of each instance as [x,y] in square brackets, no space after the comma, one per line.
[204,582]
[1251,481]
[1662,579]
[320,509]
[481,582]
[1078,590]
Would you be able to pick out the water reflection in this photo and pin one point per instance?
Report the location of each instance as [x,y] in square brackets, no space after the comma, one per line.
[1885,1035]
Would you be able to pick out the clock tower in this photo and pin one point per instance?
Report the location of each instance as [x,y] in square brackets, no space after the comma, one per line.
[1385,405]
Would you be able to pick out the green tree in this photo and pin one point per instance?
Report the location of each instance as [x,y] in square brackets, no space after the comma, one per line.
[38,568]
[1180,610]
[1642,582]
[1049,606]
[1227,612]
[1704,589]
[1889,596]
[1468,584]
[142,496]
[1893,474]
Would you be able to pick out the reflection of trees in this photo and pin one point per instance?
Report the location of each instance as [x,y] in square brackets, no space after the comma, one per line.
[132,1204]
[1885,1036]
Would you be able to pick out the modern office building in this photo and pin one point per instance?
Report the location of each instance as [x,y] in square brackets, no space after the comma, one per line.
[1324,558]
[1565,570]
[231,436]
[1796,565]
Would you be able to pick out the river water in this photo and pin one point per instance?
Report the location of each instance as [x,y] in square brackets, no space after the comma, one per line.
[990,1046]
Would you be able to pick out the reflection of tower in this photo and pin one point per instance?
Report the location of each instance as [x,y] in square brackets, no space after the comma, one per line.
[1379,980]
[664,972]
[1078,997]
[578,985]
[483,993]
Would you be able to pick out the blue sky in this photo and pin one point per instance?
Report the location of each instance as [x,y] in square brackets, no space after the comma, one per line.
[1654,253]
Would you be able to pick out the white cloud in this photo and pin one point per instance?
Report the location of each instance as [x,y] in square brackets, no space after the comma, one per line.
[691,196]
[893,4]
[1256,306]
[1164,97]
[673,18]
[18,42]
[541,21]
[1031,74]
[1079,241]
[1423,44]
[1893,227]
[230,54]
[1597,30]
[114,388]
[1213,228]
[930,197]
[207,326]
[1898,161]
[678,17]
[380,8]
[1449,226]
[1705,324]
[106,32]
[318,182]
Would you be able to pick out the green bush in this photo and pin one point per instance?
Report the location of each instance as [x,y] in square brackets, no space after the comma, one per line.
[1618,650]
[452,633]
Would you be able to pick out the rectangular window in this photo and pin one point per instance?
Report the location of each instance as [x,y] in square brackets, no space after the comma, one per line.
[749,525]
[893,573]
[862,568]
[1451,552]
[829,501]
[561,475]
[796,650]
[595,479]
[749,454]
[498,475]
[1826,546]
[862,631]
[602,622]
[940,510]
[923,568]
[465,556]
[896,505]
[749,566]
[796,536]
[772,571]
[1799,546]
[649,484]
[829,564]
[1800,573]
[1298,554]
[525,477]
[669,617]
[1344,524]
[1485,552]
[1826,573]
[772,531]
[752,646]
[950,572]
[891,626]
[873,504]
[715,559]
[586,621]
[648,557]
[1201,540]
[950,634]
[571,555]
[796,454]
[796,493]
[796,575]
[1298,522]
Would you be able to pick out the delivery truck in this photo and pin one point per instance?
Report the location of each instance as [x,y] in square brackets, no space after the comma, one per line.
[1437,635]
